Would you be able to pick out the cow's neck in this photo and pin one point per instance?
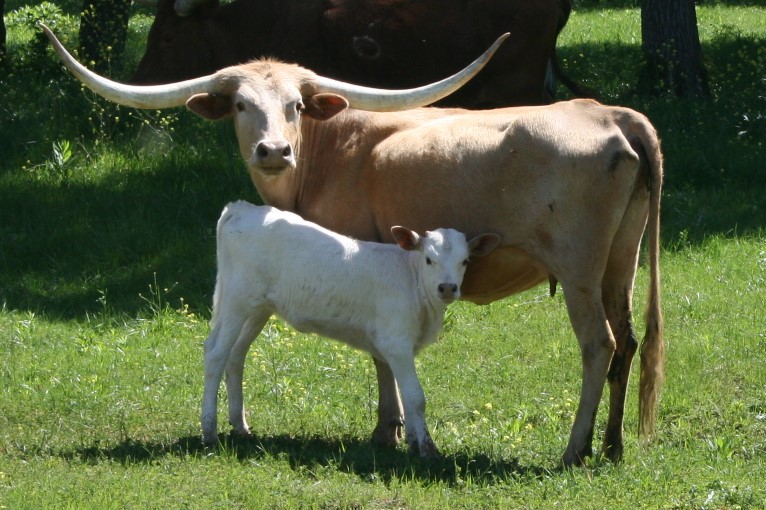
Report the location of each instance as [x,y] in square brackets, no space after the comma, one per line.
[324,186]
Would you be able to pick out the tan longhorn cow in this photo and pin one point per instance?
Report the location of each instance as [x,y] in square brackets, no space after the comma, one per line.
[569,187]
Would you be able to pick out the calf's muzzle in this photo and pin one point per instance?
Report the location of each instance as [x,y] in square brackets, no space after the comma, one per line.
[448,292]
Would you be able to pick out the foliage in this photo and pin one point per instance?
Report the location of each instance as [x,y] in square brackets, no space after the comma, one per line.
[713,148]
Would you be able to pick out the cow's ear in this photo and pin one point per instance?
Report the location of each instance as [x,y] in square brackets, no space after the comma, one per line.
[483,245]
[324,106]
[210,106]
[405,238]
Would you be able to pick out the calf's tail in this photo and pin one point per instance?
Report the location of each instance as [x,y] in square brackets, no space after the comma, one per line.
[226,215]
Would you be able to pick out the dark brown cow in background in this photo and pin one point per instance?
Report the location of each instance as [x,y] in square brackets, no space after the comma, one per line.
[381,43]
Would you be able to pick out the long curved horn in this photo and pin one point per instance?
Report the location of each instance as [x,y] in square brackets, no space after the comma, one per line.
[176,94]
[151,96]
[372,99]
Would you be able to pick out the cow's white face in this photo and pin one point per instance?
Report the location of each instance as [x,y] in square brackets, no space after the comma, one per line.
[266,101]
[443,258]
[267,122]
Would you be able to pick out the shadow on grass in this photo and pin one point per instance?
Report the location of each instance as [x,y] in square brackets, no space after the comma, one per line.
[350,455]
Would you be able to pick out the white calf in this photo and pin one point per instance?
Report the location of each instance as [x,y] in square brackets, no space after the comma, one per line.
[376,297]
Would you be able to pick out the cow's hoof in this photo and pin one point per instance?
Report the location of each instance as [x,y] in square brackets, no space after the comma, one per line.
[575,458]
[613,453]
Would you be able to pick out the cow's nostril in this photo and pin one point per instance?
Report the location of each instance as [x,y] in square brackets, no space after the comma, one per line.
[273,152]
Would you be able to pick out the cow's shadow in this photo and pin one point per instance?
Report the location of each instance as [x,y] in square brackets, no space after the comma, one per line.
[350,455]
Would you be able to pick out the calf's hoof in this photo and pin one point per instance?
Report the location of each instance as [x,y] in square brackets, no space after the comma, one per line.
[388,435]
[240,433]
[425,450]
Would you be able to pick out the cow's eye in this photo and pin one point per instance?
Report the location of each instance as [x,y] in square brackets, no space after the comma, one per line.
[299,106]
[465,262]
[240,106]
[428,260]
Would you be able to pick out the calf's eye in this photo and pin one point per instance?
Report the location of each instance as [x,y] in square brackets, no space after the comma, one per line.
[428,260]
[240,106]
[465,262]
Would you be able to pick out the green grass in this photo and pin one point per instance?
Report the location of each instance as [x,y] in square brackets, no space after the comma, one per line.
[110,405]
[106,274]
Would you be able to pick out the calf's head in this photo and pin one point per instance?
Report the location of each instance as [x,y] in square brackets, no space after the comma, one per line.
[443,255]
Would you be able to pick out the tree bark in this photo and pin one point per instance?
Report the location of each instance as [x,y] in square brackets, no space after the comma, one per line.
[2,31]
[103,31]
[671,48]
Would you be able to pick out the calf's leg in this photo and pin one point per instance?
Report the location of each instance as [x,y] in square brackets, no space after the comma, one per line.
[235,366]
[218,347]
[388,431]
[401,358]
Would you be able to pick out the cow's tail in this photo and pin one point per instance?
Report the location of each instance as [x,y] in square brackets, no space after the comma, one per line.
[554,73]
[652,351]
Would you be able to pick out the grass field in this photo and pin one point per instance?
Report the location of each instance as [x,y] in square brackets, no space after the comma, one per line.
[106,274]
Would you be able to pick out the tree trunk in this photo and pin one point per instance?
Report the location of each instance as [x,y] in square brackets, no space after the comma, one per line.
[671,47]
[103,31]
[2,31]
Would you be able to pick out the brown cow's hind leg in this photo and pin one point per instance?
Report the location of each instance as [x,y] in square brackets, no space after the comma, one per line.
[617,291]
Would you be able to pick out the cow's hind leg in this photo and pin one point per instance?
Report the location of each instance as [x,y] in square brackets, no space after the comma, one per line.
[597,345]
[618,311]
[388,431]
[235,366]
[617,291]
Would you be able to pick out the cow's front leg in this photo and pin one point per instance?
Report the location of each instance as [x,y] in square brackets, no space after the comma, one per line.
[597,346]
[388,431]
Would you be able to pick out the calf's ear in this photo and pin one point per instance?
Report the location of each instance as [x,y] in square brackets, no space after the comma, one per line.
[405,238]
[483,244]
[210,106]
[324,106]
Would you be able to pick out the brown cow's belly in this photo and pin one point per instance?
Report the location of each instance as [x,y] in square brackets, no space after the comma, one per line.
[504,272]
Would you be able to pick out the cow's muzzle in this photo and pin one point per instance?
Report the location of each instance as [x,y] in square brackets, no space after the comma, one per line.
[271,156]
